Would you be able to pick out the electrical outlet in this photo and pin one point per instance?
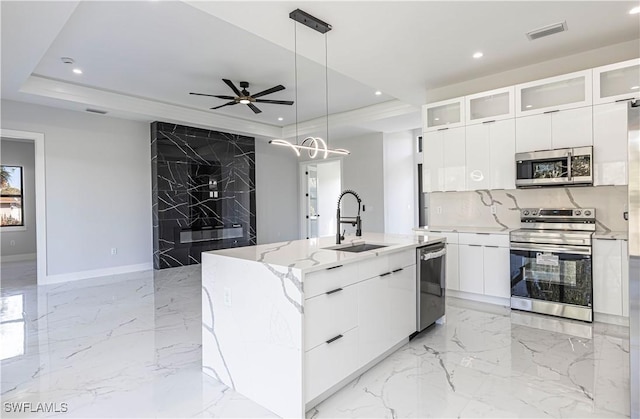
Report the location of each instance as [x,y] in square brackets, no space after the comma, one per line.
[438,210]
[114,251]
[494,209]
[227,297]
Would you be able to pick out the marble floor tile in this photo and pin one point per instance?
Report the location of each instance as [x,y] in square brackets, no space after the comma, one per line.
[130,346]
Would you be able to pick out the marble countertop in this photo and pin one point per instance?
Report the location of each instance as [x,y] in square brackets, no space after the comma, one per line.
[312,254]
[611,235]
[464,229]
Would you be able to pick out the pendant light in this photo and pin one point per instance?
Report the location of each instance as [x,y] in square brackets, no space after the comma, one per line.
[315,146]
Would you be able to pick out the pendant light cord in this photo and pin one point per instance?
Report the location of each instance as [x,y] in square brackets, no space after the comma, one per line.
[326,83]
[295,64]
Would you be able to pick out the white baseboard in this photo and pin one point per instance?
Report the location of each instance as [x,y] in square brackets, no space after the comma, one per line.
[611,319]
[74,276]
[499,301]
[18,258]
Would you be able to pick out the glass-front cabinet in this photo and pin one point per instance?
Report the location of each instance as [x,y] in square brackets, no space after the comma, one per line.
[443,115]
[490,106]
[616,82]
[568,91]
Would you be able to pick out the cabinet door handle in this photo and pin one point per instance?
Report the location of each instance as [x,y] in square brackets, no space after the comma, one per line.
[334,267]
[484,234]
[557,110]
[333,291]
[385,274]
[493,247]
[475,245]
[334,339]
[624,100]
[442,129]
[488,122]
[397,270]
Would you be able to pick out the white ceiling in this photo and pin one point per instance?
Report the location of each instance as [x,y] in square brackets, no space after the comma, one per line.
[156,52]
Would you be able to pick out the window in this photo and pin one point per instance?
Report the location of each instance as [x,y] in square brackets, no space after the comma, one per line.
[11,208]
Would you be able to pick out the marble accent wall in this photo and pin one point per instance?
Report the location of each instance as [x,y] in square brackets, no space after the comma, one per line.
[203,192]
[473,209]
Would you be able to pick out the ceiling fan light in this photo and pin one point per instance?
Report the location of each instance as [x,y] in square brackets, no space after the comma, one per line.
[245,101]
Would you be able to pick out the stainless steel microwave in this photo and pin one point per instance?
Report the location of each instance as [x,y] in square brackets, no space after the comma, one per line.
[560,167]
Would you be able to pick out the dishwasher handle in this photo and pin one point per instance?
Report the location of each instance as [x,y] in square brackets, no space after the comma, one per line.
[433,255]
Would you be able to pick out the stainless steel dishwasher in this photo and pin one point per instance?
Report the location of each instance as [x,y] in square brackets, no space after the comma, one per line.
[431,284]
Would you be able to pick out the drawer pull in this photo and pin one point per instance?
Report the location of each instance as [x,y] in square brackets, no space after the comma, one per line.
[397,270]
[493,247]
[334,339]
[334,267]
[333,291]
[557,110]
[385,274]
[475,245]
[443,129]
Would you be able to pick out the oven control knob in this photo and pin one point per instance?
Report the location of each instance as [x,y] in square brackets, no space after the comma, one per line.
[525,212]
[534,212]
[587,213]
[578,212]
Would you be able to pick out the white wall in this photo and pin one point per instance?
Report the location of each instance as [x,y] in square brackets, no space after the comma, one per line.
[362,171]
[98,181]
[21,153]
[277,216]
[399,182]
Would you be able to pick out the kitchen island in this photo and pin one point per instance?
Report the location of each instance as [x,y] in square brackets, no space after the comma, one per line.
[287,324]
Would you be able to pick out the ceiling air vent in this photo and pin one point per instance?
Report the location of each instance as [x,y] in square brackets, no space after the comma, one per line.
[547,30]
[98,111]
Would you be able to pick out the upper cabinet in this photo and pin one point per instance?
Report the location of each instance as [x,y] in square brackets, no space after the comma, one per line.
[616,82]
[554,94]
[443,115]
[490,106]
[443,160]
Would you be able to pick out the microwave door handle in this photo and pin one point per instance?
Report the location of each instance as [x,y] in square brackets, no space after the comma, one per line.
[569,164]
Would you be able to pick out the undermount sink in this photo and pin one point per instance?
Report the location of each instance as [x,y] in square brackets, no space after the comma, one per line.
[357,248]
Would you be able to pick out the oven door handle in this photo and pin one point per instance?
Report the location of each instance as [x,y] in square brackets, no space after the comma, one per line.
[572,250]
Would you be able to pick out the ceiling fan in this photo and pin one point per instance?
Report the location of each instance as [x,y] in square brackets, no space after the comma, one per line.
[246,98]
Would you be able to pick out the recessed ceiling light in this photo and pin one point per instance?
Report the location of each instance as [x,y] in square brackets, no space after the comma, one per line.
[528,106]
[280,118]
[634,11]
[378,93]
[436,119]
[478,55]
[77,71]
[635,87]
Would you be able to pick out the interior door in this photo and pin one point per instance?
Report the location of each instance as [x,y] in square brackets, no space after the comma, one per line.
[311,199]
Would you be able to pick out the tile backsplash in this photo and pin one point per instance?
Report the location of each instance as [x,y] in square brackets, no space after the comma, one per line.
[473,209]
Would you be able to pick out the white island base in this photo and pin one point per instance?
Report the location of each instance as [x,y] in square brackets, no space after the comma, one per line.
[288,324]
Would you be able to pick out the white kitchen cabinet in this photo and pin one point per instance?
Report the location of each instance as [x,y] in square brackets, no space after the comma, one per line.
[558,93]
[443,160]
[619,81]
[453,140]
[497,276]
[445,114]
[493,105]
[478,157]
[432,162]
[373,318]
[607,277]
[502,150]
[327,315]
[561,129]
[610,144]
[451,267]
[624,252]
[329,363]
[490,150]
[471,268]
[401,286]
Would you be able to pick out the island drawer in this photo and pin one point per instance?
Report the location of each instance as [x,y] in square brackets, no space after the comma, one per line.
[330,314]
[320,282]
[402,259]
[329,363]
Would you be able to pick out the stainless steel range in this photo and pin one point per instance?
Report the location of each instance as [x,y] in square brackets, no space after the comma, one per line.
[551,262]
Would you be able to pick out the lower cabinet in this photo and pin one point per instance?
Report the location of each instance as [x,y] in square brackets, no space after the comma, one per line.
[452,276]
[496,271]
[351,320]
[471,265]
[483,264]
[610,277]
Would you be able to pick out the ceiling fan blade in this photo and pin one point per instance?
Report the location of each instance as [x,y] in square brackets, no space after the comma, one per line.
[254,108]
[268,91]
[218,96]
[233,102]
[232,86]
[277,102]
